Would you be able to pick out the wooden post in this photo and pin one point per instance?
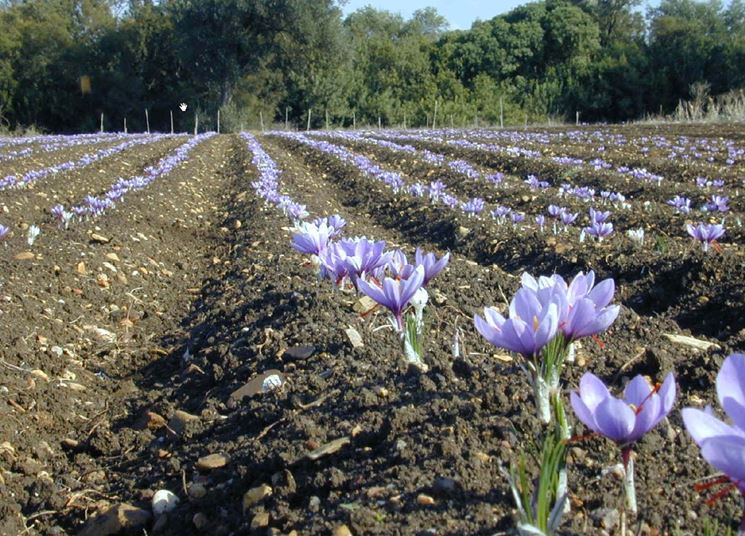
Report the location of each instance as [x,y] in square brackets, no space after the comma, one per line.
[426,120]
[287,117]
[125,125]
[147,121]
[307,128]
[526,121]
[354,120]
[380,123]
[404,121]
[196,123]
[576,120]
[327,119]
[171,113]
[242,126]
[101,122]
[501,112]
[434,117]
[218,120]
[451,121]
[261,120]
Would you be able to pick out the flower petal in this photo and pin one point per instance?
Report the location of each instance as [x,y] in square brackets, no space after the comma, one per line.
[615,419]
[731,388]
[592,390]
[702,425]
[637,391]
[726,453]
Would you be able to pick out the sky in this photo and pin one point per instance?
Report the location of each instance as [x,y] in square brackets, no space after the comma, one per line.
[460,13]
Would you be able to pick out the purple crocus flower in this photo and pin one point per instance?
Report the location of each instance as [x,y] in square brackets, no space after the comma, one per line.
[517,217]
[718,203]
[555,211]
[722,444]
[4,230]
[431,264]
[530,326]
[311,239]
[335,223]
[682,204]
[436,189]
[706,233]
[540,221]
[626,420]
[584,308]
[567,218]
[473,206]
[394,294]
[599,229]
[364,256]
[599,216]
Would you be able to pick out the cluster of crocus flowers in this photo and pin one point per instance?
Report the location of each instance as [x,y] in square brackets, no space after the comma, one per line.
[599,226]
[623,420]
[384,276]
[545,316]
[723,444]
[706,233]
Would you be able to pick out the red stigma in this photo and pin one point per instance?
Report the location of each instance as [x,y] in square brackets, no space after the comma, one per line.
[600,343]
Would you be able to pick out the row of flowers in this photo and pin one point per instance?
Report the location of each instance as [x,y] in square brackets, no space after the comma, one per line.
[598,226]
[64,143]
[22,181]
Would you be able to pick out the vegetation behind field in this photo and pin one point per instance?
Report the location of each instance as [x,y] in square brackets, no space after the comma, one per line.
[65,62]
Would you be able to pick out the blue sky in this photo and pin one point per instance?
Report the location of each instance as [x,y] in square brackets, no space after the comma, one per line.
[460,13]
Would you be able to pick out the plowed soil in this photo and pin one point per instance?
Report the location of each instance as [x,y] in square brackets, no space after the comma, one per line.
[126,340]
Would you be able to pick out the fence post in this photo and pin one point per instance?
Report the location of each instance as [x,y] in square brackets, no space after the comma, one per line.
[218,120]
[171,113]
[125,125]
[307,129]
[147,121]
[101,122]
[501,111]
[196,123]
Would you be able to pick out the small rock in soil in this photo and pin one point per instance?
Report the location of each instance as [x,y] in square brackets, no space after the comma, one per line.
[424,500]
[314,504]
[260,521]
[328,448]
[213,461]
[608,517]
[342,530]
[300,353]
[354,337]
[284,483]
[200,521]
[115,520]
[181,421]
[255,495]
[197,491]
[262,383]
[164,501]
[445,486]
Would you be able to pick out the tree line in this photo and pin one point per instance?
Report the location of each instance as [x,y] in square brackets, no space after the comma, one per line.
[63,63]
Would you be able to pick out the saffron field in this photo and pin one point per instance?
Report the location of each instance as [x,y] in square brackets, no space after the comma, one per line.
[374,332]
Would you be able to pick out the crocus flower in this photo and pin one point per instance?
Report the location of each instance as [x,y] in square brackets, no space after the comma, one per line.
[364,256]
[394,294]
[584,307]
[722,444]
[310,238]
[540,221]
[530,326]
[718,203]
[567,218]
[706,233]
[626,420]
[4,230]
[599,229]
[682,204]
[599,216]
[431,264]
